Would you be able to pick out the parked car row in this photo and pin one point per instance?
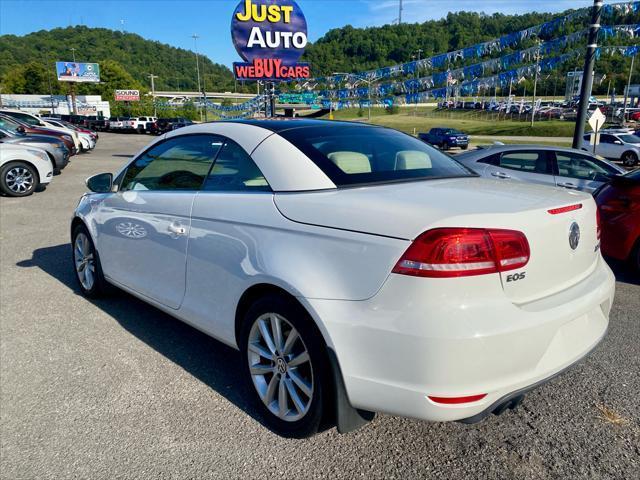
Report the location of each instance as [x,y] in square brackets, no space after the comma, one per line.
[125,124]
[34,149]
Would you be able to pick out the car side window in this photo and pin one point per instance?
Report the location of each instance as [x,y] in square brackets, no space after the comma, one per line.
[491,160]
[235,171]
[180,163]
[578,166]
[531,161]
[604,138]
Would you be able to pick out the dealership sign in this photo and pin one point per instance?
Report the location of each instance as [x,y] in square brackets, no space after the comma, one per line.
[270,35]
[78,72]
[127,95]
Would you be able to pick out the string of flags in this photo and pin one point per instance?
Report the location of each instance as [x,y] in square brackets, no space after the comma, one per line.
[479,69]
[482,49]
[475,86]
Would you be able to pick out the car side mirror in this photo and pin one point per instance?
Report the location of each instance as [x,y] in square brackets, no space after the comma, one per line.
[617,142]
[100,183]
[20,129]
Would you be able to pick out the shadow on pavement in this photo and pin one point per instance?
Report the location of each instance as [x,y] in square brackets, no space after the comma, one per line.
[122,155]
[212,362]
[622,272]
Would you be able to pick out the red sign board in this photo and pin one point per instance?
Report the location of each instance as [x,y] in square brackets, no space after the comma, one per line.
[127,95]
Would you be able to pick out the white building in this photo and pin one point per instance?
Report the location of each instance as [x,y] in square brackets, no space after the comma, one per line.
[57,104]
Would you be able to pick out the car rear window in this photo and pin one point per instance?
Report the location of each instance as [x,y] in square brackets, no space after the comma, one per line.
[356,155]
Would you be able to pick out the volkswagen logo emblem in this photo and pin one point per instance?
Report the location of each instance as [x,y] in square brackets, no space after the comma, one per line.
[574,235]
[281,365]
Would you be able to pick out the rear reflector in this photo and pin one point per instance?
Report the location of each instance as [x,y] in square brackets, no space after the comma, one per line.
[570,208]
[457,400]
[460,252]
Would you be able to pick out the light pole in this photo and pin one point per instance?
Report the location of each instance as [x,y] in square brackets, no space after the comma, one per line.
[195,37]
[152,77]
[587,75]
[73,53]
[535,85]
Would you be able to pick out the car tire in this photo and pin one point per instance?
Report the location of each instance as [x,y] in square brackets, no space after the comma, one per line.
[629,159]
[18,179]
[290,393]
[140,130]
[465,147]
[86,263]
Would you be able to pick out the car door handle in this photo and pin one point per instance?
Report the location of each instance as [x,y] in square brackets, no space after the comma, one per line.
[177,229]
[500,175]
[568,185]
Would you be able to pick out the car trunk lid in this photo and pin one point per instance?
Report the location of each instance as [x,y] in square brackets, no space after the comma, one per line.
[405,210]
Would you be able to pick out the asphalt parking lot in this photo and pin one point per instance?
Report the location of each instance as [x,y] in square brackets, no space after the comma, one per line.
[117,389]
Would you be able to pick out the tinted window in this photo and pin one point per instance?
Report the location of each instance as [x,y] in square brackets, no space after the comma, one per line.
[234,170]
[180,163]
[353,155]
[534,162]
[491,160]
[604,138]
[578,166]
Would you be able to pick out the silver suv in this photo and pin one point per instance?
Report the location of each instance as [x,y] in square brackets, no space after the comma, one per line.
[616,145]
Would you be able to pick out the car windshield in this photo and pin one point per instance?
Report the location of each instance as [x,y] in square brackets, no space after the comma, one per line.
[629,138]
[355,155]
[9,125]
[452,131]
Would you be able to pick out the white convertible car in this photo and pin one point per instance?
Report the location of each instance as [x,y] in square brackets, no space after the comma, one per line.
[357,269]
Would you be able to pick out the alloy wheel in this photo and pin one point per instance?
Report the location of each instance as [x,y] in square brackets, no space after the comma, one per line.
[19,179]
[84,261]
[280,367]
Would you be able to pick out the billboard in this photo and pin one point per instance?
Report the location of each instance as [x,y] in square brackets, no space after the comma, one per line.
[270,36]
[78,72]
[127,95]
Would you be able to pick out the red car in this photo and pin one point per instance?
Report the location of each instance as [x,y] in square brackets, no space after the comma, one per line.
[619,207]
[26,128]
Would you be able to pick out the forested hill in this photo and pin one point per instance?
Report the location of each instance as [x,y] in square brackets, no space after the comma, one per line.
[137,56]
[349,49]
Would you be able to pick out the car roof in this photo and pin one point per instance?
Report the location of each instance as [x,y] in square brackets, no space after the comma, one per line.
[281,124]
[491,149]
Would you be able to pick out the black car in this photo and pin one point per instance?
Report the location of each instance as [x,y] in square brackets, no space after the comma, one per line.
[165,125]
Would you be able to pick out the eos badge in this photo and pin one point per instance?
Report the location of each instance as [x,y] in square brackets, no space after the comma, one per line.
[574,235]
[516,276]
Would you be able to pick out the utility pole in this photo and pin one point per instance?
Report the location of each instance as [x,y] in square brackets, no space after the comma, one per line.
[195,37]
[73,52]
[626,92]
[152,77]
[400,13]
[535,86]
[587,75]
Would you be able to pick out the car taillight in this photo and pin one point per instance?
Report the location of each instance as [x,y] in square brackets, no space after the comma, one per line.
[461,252]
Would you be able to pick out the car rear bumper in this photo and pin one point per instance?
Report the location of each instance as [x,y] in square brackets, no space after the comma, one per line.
[454,340]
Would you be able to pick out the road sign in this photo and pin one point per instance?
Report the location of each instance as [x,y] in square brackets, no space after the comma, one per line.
[596,121]
[127,95]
